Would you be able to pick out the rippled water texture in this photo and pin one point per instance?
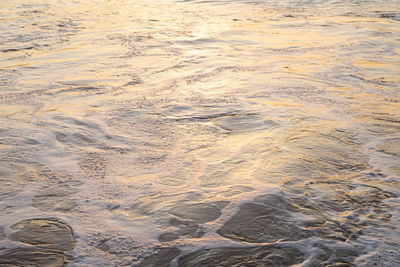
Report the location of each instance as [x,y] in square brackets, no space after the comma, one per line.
[199,133]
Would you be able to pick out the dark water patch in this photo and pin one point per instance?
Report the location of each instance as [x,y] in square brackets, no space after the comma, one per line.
[44,233]
[335,257]
[389,15]
[162,257]
[341,216]
[263,223]
[17,49]
[33,257]
[194,231]
[249,256]
[30,141]
[49,242]
[103,246]
[339,197]
[199,212]
[185,229]
[167,237]
[342,213]
[175,222]
[154,204]
[112,207]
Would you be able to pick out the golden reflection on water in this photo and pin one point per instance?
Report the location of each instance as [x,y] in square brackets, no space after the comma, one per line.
[151,106]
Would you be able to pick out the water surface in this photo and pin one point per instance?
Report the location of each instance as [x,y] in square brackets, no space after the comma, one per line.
[185,132]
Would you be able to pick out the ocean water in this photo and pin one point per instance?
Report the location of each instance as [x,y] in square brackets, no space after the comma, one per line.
[202,133]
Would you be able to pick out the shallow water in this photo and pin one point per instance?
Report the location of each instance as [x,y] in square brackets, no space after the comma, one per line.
[202,132]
